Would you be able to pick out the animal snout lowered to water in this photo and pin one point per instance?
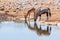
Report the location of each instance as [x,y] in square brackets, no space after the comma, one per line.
[40,12]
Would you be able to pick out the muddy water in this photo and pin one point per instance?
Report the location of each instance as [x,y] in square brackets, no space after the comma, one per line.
[28,31]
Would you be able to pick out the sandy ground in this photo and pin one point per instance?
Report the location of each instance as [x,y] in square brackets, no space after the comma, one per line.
[19,15]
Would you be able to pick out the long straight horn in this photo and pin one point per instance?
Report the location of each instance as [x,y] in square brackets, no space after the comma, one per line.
[25,18]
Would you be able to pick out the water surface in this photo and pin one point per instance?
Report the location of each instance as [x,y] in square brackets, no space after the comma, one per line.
[21,31]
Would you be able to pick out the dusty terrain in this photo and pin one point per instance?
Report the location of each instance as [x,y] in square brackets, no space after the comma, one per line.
[13,11]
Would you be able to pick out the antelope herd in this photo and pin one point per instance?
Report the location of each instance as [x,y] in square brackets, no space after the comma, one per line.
[39,12]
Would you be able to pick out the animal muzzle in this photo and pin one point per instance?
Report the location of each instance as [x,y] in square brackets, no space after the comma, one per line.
[34,19]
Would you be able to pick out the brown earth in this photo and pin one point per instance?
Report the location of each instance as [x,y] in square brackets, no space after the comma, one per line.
[18,15]
[11,14]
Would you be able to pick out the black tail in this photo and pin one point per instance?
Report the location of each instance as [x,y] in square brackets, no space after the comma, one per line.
[49,12]
[35,18]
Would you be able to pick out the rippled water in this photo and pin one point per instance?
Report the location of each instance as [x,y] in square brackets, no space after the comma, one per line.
[26,31]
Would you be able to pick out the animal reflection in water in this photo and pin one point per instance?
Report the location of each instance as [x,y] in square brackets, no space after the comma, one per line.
[39,31]
[39,12]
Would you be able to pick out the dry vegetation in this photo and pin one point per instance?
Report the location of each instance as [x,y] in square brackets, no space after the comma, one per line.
[17,9]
